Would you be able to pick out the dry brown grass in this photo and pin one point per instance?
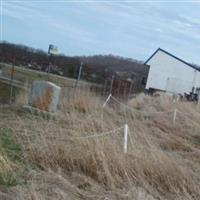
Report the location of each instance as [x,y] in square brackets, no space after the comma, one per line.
[162,160]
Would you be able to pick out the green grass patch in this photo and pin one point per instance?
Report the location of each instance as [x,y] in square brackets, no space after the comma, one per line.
[9,145]
[8,179]
[13,151]
[5,93]
[27,75]
[196,140]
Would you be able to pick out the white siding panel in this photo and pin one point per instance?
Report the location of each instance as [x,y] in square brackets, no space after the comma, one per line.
[169,74]
[197,79]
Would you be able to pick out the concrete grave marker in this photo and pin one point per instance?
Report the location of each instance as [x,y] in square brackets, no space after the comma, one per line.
[44,97]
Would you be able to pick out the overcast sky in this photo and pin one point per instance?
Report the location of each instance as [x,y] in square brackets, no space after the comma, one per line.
[132,29]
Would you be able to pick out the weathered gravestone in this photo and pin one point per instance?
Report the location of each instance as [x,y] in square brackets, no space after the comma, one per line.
[44,97]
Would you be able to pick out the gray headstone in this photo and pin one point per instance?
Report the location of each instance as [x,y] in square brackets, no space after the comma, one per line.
[44,96]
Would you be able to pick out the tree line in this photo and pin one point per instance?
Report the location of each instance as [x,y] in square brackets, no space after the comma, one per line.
[95,68]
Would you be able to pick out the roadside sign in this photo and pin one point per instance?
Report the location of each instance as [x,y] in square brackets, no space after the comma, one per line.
[53,49]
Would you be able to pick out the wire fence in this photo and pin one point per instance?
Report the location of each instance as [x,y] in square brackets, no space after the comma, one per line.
[95,135]
[124,128]
[174,111]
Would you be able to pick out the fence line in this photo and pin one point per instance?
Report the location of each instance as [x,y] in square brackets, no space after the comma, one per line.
[89,136]
[100,134]
[125,138]
[110,95]
[134,110]
[186,116]
[175,111]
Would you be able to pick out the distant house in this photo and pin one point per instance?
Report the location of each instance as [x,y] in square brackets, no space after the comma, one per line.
[171,74]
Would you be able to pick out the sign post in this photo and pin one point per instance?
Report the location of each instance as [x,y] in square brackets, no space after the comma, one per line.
[53,50]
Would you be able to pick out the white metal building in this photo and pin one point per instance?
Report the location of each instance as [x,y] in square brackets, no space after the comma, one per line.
[171,74]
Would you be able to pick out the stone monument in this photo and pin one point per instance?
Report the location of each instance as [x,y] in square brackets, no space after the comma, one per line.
[43,97]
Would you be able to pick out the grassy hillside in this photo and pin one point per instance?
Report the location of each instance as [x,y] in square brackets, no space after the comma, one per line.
[76,156]
[27,75]
[98,65]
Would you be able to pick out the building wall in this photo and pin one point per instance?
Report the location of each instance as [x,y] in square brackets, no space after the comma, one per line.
[169,74]
[197,80]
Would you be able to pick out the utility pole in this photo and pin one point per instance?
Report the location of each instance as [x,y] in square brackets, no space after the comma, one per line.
[79,74]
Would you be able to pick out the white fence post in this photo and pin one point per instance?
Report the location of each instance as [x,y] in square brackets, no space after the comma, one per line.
[107,100]
[174,117]
[125,137]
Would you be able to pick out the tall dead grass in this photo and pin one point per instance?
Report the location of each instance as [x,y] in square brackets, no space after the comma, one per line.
[162,160]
